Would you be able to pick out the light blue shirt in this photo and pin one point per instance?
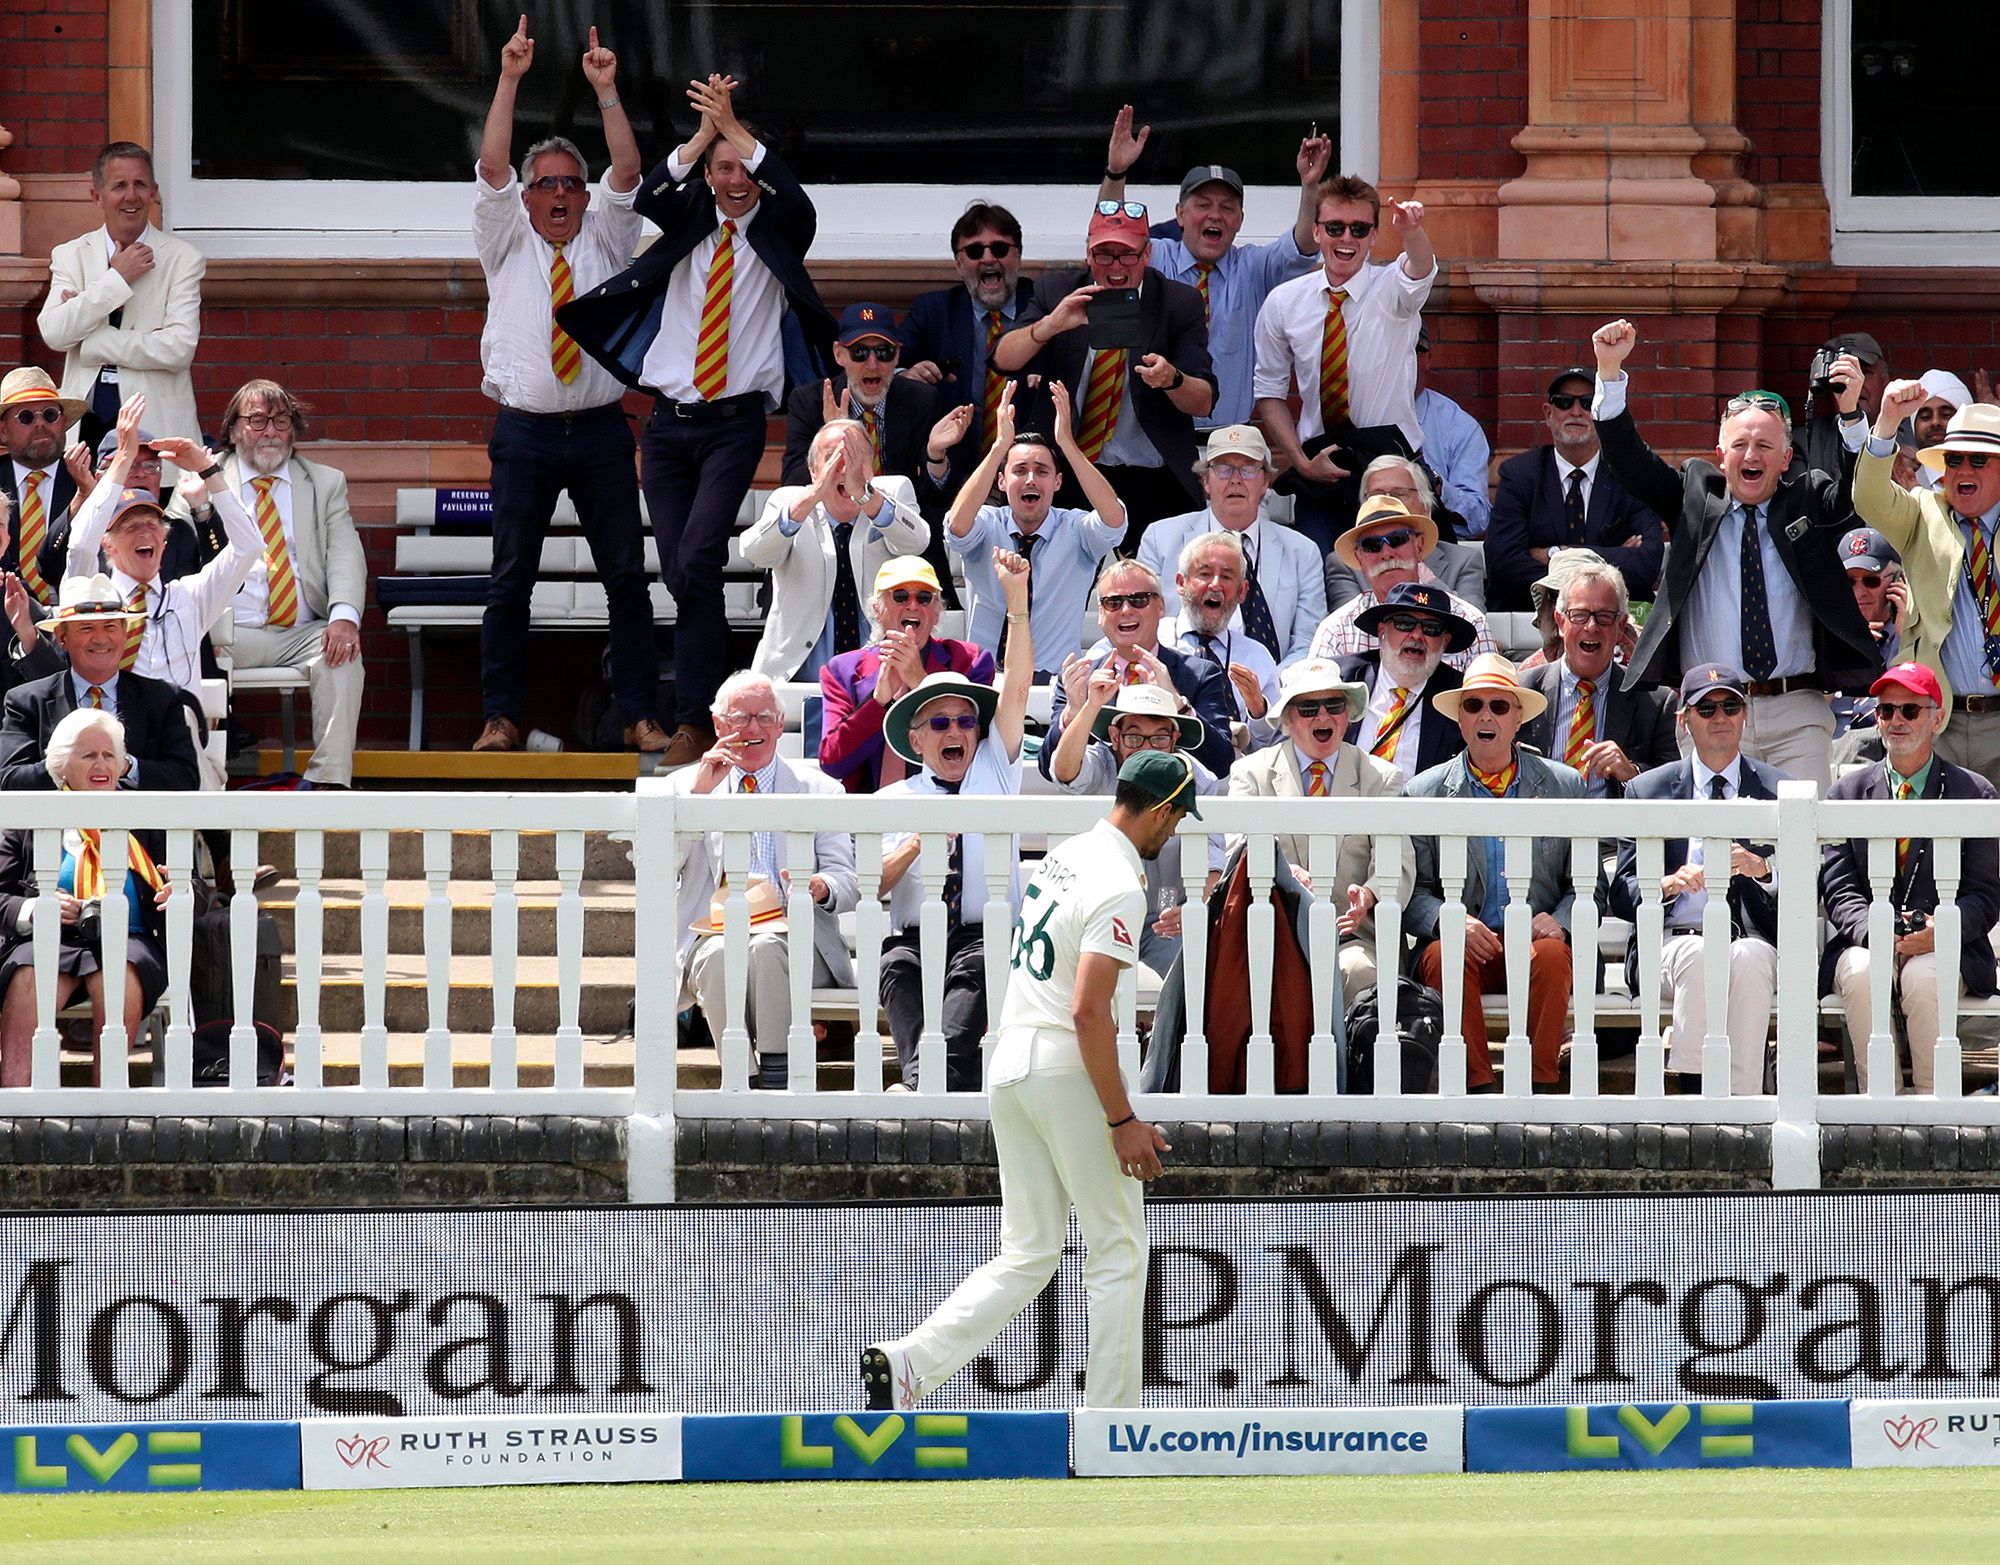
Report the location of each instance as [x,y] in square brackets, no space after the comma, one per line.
[1456,449]
[1062,567]
[1566,709]
[763,844]
[1493,910]
[1242,280]
[1129,445]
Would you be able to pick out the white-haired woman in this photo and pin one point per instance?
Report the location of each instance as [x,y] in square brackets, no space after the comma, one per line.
[86,754]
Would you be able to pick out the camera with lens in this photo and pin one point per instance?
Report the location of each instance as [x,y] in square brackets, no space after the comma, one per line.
[88,930]
[1909,920]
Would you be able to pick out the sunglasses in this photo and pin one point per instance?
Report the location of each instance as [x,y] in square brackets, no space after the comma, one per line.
[28,418]
[1728,706]
[1311,709]
[1115,601]
[923,595]
[979,250]
[1563,401]
[1911,710]
[881,352]
[549,184]
[1410,625]
[1977,460]
[944,725]
[1334,229]
[1867,579]
[1499,706]
[1129,208]
[1377,543]
[1604,619]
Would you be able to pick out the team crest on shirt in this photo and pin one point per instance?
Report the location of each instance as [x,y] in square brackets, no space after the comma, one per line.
[1119,932]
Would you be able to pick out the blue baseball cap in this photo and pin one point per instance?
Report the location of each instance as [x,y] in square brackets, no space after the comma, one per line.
[1865,549]
[1706,677]
[866,320]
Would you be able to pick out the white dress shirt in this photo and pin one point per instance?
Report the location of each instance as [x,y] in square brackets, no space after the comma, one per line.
[756,309]
[1409,738]
[1688,906]
[1383,312]
[1564,467]
[253,599]
[1230,645]
[517,367]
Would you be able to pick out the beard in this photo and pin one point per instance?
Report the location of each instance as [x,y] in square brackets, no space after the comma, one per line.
[265,456]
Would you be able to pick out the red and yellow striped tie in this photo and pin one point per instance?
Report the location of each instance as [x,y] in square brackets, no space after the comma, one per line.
[34,531]
[1316,780]
[1202,272]
[1333,363]
[94,698]
[90,866]
[282,585]
[711,343]
[1391,732]
[565,357]
[996,383]
[1582,724]
[1904,791]
[749,783]
[135,629]
[1985,585]
[1103,395]
[1134,674]
[871,420]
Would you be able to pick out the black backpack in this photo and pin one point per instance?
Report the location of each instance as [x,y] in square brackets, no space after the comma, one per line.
[1419,1023]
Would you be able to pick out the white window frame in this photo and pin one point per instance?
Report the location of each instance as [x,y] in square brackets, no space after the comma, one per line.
[1887,230]
[365,219]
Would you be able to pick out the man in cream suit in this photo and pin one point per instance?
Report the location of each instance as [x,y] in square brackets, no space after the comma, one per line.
[820,542]
[745,759]
[1316,704]
[301,605]
[124,305]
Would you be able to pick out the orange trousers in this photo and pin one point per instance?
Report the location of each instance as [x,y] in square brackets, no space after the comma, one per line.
[1549,976]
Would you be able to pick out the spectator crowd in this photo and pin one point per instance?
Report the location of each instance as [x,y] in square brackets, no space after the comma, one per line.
[1204,490]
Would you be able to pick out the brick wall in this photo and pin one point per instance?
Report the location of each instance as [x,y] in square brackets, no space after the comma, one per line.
[52,80]
[1777,88]
[1474,57]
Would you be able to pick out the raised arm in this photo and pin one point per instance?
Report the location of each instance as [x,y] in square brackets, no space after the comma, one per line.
[965,508]
[1315,157]
[1121,154]
[1010,717]
[1095,486]
[1639,468]
[713,101]
[600,69]
[496,141]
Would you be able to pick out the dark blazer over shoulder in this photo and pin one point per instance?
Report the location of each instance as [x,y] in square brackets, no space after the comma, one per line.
[1171,324]
[1440,737]
[1806,517]
[1638,718]
[616,322]
[1528,513]
[156,732]
[1843,875]
[939,330]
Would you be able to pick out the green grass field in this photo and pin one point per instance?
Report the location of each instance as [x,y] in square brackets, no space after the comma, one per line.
[1805,1517]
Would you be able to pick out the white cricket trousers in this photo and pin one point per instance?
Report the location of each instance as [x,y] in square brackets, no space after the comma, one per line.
[1054,1149]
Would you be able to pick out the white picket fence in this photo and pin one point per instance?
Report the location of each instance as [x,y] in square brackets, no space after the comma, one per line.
[654,819]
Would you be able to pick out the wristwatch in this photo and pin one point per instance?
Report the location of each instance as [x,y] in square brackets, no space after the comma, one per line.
[1179,380]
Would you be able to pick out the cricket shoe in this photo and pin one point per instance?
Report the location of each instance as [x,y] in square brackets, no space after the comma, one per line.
[889,1379]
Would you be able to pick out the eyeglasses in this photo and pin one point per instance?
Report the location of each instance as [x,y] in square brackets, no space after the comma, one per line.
[944,725]
[1129,208]
[1977,460]
[923,595]
[1911,710]
[1499,706]
[1866,579]
[1232,470]
[268,420]
[1114,601]
[980,249]
[1604,619]
[754,719]
[549,184]
[1114,257]
[881,352]
[28,418]
[1131,741]
[1377,543]
[1563,401]
[1311,709]
[1334,229]
[1728,706]
[1410,625]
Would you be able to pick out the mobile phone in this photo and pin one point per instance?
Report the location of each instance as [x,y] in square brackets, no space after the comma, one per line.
[1113,317]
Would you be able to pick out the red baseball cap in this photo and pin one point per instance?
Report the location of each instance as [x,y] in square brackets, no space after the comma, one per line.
[1118,224]
[1911,676]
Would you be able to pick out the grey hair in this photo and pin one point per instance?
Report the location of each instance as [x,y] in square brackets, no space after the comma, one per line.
[1221,538]
[843,429]
[1120,562]
[732,687]
[552,144]
[1736,406]
[69,734]
[1595,570]
[1402,464]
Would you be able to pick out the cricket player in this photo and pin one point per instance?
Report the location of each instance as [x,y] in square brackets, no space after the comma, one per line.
[1063,1127]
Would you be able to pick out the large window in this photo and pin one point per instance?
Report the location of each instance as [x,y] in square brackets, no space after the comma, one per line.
[359,116]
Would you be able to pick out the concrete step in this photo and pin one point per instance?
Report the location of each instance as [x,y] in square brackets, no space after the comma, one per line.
[603,1004]
[471,855]
[608,919]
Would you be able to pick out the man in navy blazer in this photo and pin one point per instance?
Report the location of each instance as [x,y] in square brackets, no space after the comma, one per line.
[696,321]
[1130,606]
[1564,496]
[1910,716]
[1714,707]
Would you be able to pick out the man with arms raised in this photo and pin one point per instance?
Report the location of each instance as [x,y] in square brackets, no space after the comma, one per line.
[1063,1126]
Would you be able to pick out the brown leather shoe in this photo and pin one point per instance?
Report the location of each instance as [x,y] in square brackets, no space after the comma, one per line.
[646,736]
[500,733]
[688,745]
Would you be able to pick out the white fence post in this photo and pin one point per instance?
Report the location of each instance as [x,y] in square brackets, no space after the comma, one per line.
[656,983]
[1795,1132]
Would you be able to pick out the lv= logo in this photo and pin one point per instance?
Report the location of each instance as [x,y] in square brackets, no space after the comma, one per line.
[871,1445]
